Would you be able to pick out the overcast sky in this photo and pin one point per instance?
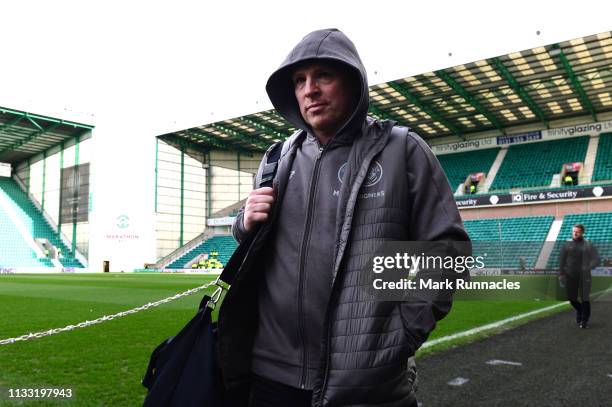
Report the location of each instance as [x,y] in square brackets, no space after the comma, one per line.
[161,66]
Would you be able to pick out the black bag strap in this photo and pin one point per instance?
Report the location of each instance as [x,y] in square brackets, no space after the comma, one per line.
[230,270]
[269,169]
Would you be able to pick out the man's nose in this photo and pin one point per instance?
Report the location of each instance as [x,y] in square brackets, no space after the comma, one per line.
[311,86]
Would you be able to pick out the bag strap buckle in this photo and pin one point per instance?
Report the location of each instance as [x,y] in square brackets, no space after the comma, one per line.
[216,295]
[268,172]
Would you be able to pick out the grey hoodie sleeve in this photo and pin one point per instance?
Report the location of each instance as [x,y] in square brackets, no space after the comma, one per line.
[433,217]
[238,230]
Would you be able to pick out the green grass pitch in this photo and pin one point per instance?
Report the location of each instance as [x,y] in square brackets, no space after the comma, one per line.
[103,364]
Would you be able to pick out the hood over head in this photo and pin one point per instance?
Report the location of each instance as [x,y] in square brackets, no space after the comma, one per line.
[330,45]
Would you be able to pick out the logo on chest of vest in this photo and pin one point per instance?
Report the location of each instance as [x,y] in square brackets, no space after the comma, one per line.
[373,177]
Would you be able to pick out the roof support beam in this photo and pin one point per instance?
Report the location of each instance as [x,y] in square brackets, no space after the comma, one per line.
[278,117]
[199,140]
[252,121]
[13,122]
[179,142]
[45,118]
[470,99]
[209,140]
[402,90]
[386,115]
[240,137]
[576,84]
[520,91]
[38,126]
[31,137]
[372,108]
[188,145]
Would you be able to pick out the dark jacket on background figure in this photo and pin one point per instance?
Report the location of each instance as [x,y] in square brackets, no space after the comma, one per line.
[576,260]
[294,313]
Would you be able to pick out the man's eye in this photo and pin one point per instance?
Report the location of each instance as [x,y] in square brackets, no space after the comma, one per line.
[298,81]
[325,76]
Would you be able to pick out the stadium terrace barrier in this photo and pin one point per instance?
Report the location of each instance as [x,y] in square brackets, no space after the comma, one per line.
[544,195]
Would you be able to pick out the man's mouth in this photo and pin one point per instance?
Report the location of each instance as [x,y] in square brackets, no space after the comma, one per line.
[315,107]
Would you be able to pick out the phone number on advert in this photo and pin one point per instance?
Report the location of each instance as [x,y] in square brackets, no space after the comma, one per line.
[39,393]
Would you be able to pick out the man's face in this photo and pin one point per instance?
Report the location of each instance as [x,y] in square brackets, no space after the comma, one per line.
[577,233]
[324,95]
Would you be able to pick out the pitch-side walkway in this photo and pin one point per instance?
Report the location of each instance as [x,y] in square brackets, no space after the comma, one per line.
[547,362]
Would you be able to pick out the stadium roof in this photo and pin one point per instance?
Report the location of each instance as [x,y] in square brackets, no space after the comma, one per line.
[23,134]
[558,81]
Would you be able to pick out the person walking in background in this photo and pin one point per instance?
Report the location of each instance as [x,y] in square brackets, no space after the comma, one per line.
[578,257]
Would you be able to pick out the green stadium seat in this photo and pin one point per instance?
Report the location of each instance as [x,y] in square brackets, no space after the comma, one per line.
[458,166]
[506,240]
[598,229]
[35,222]
[602,170]
[223,244]
[534,164]
[16,253]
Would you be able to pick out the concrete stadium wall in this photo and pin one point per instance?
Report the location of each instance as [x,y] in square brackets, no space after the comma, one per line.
[231,177]
[212,181]
[41,175]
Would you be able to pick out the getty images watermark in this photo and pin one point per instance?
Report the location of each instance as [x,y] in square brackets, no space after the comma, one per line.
[413,264]
[494,270]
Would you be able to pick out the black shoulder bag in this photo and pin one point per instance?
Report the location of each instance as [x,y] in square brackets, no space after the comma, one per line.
[184,370]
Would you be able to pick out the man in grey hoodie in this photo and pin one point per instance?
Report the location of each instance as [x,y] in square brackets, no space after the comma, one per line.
[293,323]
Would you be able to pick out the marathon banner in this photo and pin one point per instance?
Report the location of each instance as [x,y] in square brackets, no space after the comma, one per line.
[534,196]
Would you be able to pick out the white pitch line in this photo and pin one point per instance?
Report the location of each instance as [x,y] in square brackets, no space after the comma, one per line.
[458,381]
[502,322]
[492,325]
[496,362]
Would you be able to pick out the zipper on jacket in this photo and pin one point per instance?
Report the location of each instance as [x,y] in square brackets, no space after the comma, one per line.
[305,240]
[328,323]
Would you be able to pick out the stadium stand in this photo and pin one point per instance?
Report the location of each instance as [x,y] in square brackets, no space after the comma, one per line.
[34,221]
[534,164]
[506,240]
[15,250]
[224,245]
[603,162]
[458,166]
[597,230]
[466,104]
